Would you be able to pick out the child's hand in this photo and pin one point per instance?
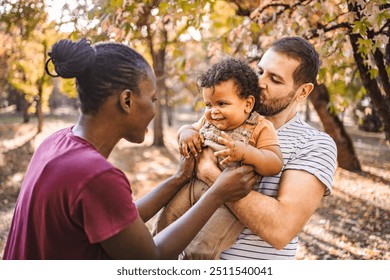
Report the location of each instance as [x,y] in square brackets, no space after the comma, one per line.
[235,150]
[190,141]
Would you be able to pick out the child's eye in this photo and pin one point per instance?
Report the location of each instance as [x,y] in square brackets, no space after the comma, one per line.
[208,105]
[221,103]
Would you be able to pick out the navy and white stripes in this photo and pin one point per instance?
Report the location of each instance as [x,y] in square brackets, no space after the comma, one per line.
[303,148]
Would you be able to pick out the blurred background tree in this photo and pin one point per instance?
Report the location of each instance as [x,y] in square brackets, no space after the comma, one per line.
[26,36]
[353,40]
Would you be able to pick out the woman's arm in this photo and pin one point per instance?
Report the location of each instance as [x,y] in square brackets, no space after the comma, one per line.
[152,202]
[136,242]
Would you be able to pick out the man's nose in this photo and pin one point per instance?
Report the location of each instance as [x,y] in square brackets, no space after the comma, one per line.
[262,83]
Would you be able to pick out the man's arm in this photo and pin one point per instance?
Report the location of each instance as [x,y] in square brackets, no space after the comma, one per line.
[279,220]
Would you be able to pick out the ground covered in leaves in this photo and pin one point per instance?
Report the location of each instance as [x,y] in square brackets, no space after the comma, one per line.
[352,223]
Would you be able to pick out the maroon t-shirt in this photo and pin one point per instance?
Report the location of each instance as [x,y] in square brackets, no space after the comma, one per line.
[71,199]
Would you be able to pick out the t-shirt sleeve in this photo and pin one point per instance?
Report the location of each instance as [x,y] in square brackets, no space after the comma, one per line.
[318,156]
[264,135]
[105,206]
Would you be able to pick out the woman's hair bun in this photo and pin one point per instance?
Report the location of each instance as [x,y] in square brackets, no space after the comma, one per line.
[70,58]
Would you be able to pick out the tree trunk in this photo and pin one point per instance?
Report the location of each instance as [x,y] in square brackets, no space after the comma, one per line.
[381,102]
[372,86]
[307,111]
[169,113]
[40,92]
[24,106]
[39,112]
[159,65]
[346,155]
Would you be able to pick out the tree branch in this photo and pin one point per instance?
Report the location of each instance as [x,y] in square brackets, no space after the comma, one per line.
[315,34]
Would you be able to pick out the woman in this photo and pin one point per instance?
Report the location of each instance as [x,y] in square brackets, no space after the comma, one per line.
[73,203]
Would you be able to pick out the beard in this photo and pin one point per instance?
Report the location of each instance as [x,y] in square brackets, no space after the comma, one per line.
[273,106]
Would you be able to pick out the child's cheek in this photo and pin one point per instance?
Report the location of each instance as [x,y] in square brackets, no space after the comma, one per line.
[208,115]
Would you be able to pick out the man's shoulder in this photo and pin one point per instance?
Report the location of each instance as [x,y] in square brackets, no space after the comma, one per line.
[301,134]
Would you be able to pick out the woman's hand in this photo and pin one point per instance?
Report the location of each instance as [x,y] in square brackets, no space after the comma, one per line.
[234,184]
[190,141]
[185,171]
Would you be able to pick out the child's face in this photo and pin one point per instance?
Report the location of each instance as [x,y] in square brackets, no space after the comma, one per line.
[224,108]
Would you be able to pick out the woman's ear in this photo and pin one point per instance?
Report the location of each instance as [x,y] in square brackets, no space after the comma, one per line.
[250,103]
[125,100]
[304,91]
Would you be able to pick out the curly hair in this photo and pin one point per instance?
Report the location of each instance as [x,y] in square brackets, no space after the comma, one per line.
[244,77]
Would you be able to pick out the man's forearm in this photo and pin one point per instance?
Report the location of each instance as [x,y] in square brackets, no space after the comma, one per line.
[278,220]
[262,215]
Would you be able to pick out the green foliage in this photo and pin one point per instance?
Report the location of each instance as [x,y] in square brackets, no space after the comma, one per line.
[23,15]
[328,25]
[68,87]
[361,27]
[28,36]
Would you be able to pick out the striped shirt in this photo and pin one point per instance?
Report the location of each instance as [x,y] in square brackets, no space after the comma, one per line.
[303,148]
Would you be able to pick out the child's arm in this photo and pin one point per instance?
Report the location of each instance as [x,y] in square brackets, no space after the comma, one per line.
[267,161]
[189,139]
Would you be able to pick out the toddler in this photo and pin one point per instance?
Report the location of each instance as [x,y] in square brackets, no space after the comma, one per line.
[238,135]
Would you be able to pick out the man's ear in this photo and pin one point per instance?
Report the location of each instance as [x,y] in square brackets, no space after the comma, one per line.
[250,103]
[304,91]
[125,100]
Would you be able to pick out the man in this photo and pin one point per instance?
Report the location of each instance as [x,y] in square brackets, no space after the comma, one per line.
[276,212]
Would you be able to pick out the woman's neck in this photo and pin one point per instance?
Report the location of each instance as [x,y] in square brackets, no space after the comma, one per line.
[97,133]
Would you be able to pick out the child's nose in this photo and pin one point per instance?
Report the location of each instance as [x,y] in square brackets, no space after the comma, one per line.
[214,111]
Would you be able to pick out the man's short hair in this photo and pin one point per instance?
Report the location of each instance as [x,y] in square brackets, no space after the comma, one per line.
[301,50]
